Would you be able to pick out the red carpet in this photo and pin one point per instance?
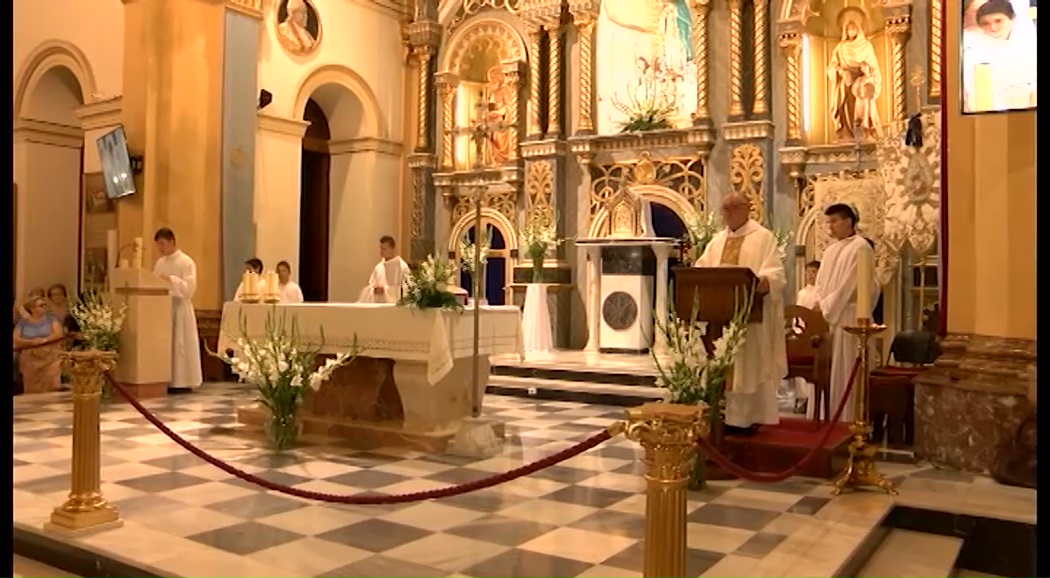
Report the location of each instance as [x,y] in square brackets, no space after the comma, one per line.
[776,448]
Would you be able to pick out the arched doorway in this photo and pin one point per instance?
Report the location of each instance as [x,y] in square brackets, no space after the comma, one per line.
[667,223]
[314,204]
[498,268]
[49,155]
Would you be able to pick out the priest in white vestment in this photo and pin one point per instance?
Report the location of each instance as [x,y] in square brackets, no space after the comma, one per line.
[751,399]
[389,277]
[837,293]
[289,290]
[179,270]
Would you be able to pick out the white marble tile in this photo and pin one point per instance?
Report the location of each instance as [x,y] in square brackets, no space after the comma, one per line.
[26,568]
[548,512]
[447,552]
[433,516]
[309,556]
[581,545]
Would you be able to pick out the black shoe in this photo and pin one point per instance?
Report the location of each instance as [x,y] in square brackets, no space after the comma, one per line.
[179,390]
[733,430]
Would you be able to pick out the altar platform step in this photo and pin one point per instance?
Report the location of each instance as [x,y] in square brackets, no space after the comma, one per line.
[579,366]
[910,554]
[578,391]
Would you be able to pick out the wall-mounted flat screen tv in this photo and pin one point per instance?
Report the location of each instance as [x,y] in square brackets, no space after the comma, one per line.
[998,55]
[116,163]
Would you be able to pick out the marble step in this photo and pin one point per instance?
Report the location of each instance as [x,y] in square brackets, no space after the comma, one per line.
[574,391]
[908,554]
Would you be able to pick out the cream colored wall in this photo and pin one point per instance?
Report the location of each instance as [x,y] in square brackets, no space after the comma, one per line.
[357,76]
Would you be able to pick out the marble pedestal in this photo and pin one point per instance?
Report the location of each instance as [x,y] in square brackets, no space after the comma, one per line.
[144,366]
[970,404]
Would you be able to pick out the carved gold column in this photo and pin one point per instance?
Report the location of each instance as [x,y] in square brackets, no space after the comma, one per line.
[585,29]
[668,433]
[535,34]
[554,32]
[761,20]
[897,28]
[512,73]
[736,107]
[936,31]
[447,83]
[86,509]
[791,43]
[703,8]
[423,55]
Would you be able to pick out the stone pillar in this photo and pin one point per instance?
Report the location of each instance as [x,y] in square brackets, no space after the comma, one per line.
[447,83]
[423,225]
[585,28]
[977,393]
[554,76]
[512,73]
[736,106]
[703,9]
[594,298]
[535,34]
[165,42]
[898,26]
[422,55]
[760,108]
[791,44]
[662,252]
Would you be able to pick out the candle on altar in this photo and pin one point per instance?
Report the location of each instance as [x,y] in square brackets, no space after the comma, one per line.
[865,261]
[111,249]
[271,283]
[246,282]
[136,254]
[253,283]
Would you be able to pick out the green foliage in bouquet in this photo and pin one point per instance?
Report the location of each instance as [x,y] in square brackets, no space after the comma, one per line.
[427,286]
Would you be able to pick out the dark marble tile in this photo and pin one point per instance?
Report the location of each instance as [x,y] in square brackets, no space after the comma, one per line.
[594,497]
[47,433]
[502,530]
[791,486]
[565,474]
[382,566]
[632,558]
[631,469]
[147,505]
[459,476]
[246,538]
[759,545]
[282,478]
[17,463]
[366,479]
[809,505]
[944,475]
[217,419]
[620,452]
[22,447]
[274,460]
[48,485]
[613,522]
[482,501]
[709,493]
[175,462]
[732,516]
[131,432]
[257,506]
[163,482]
[374,535]
[525,563]
[448,459]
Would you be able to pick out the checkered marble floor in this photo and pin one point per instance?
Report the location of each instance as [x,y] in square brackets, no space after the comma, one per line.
[582,518]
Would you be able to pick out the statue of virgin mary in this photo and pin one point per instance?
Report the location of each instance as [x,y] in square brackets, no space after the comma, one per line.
[857,79]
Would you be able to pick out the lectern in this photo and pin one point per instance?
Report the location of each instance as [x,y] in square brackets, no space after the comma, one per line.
[144,365]
[716,292]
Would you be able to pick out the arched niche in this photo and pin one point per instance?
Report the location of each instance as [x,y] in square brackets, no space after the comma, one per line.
[654,194]
[482,42]
[488,217]
[42,60]
[358,116]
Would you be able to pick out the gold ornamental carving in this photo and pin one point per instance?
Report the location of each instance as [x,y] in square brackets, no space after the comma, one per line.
[418,204]
[486,36]
[554,36]
[447,83]
[736,107]
[747,173]
[936,32]
[539,188]
[471,7]
[898,29]
[585,28]
[423,55]
[791,44]
[251,8]
[502,200]
[535,35]
[703,9]
[761,39]
[512,76]
[685,176]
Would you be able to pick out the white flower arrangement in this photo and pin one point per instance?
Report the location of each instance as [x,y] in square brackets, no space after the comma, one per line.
[539,236]
[100,320]
[279,365]
[701,230]
[427,286]
[784,237]
[468,248]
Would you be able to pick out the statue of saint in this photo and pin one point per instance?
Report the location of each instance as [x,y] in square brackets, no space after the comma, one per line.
[857,80]
[293,31]
[499,95]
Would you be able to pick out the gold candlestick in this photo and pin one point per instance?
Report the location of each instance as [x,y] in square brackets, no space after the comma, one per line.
[271,292]
[860,468]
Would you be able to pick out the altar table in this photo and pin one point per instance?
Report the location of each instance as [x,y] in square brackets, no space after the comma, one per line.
[413,372]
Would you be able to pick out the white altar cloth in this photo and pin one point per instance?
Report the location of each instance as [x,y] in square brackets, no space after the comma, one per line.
[536,320]
[435,338]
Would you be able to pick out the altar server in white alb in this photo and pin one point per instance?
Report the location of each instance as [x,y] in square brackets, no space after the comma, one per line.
[388,279]
[290,291]
[179,270]
[837,294]
[751,398]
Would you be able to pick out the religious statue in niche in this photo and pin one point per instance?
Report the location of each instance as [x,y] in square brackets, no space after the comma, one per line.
[856,81]
[645,60]
[299,27]
[499,95]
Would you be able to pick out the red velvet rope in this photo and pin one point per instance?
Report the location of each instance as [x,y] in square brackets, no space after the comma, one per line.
[58,339]
[445,492]
[740,472]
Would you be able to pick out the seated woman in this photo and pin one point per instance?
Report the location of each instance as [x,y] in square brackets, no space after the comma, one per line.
[58,302]
[40,366]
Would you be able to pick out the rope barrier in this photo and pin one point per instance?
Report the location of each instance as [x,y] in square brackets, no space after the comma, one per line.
[51,341]
[589,443]
[719,458]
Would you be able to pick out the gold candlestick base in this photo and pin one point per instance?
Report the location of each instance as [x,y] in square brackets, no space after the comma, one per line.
[249,298]
[860,471]
[271,299]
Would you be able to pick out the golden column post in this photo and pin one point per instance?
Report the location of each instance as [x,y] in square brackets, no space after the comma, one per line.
[897,27]
[86,510]
[736,107]
[668,433]
[423,55]
[585,28]
[860,468]
[512,74]
[535,34]
[447,83]
[791,43]
[554,33]
[703,9]
[761,21]
[936,32]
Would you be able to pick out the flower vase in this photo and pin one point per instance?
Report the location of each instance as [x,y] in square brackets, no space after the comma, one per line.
[283,430]
[537,269]
[698,479]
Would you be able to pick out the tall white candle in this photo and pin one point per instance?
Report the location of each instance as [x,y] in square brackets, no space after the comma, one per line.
[136,256]
[111,249]
[246,281]
[865,262]
[253,283]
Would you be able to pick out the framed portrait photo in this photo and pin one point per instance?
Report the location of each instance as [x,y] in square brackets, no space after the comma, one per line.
[998,56]
[298,26]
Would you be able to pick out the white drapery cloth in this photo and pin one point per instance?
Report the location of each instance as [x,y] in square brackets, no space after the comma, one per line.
[837,294]
[762,363]
[185,340]
[536,321]
[390,276]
